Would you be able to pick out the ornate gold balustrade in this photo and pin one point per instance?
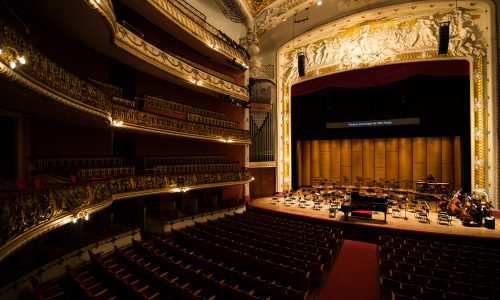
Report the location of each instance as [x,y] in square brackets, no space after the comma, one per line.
[44,76]
[138,120]
[30,214]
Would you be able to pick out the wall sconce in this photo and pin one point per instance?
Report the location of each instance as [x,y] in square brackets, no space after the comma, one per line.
[224,140]
[196,82]
[84,215]
[117,123]
[11,56]
[180,189]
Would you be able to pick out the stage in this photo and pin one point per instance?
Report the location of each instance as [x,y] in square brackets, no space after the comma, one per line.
[404,220]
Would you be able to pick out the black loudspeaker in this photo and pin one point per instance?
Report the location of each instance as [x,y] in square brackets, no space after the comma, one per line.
[301,63]
[489,222]
[444,37]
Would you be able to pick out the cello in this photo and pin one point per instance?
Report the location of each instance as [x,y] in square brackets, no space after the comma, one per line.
[444,203]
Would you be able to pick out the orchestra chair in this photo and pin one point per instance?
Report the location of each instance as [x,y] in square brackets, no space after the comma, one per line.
[444,217]
[396,212]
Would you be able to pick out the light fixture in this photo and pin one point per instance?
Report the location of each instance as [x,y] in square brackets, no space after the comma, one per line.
[242,66]
[320,2]
[12,56]
[117,123]
[252,179]
[84,215]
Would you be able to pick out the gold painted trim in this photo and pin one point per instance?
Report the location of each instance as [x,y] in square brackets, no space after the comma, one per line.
[262,164]
[133,44]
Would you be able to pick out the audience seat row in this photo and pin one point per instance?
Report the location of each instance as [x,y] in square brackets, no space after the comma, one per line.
[421,269]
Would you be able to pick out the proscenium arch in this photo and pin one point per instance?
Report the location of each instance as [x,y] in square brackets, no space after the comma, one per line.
[399,34]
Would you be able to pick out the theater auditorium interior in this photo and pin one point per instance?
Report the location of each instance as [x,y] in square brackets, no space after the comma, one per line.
[249,149]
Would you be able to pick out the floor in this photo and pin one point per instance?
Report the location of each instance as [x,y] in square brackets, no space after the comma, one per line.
[405,220]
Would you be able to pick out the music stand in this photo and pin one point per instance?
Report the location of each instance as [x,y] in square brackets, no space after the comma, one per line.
[406,205]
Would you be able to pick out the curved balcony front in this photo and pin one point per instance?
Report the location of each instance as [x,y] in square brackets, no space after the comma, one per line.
[133,44]
[30,214]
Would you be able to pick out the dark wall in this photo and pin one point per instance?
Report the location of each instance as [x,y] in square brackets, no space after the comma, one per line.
[73,57]
[160,146]
[53,139]
[264,184]
[8,151]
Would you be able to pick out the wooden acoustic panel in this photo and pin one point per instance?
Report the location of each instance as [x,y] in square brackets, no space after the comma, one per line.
[403,160]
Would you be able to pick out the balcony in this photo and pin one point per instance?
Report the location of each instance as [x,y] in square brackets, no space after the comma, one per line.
[30,213]
[95,26]
[41,76]
[193,27]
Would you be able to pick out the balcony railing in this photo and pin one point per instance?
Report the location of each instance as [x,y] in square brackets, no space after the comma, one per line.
[132,118]
[24,215]
[56,82]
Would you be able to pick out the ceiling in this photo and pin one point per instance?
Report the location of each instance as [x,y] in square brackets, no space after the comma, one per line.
[279,21]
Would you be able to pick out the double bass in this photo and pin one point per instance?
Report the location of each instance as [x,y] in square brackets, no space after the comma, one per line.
[454,206]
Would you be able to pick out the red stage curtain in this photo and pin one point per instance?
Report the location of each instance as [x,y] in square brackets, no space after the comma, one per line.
[383,75]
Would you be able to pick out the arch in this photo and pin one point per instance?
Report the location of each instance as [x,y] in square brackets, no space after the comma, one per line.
[395,34]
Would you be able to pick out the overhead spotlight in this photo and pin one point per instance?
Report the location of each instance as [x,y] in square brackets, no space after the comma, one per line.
[320,2]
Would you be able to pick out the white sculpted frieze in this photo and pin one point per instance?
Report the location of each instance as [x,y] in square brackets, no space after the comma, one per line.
[372,45]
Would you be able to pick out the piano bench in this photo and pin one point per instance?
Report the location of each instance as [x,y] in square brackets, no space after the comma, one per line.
[362,214]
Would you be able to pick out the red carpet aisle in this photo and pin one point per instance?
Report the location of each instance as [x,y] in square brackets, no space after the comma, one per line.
[354,275]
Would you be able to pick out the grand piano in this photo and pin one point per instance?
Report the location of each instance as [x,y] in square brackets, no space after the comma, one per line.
[365,202]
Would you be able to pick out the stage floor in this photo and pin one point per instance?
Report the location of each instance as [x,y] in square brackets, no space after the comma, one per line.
[393,221]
